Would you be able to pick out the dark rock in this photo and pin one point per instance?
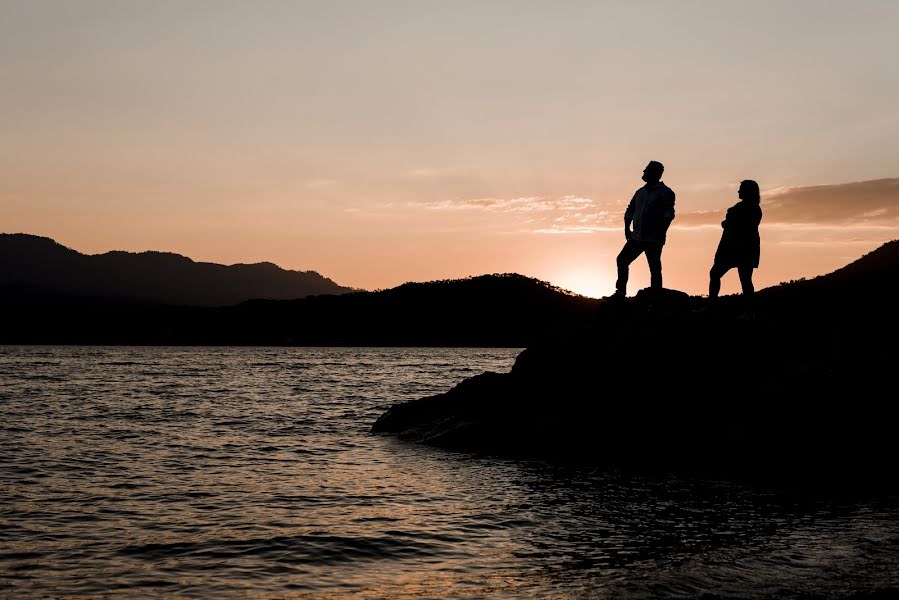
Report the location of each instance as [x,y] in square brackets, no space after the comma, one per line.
[797,390]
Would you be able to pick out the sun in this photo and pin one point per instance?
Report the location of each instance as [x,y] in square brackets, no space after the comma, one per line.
[593,282]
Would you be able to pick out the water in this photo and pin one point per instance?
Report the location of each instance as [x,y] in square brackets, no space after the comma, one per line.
[234,472]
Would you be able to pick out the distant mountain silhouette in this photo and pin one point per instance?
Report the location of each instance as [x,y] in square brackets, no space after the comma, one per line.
[489,310]
[799,392]
[38,263]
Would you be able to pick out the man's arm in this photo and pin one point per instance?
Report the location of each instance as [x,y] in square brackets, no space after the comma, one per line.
[668,206]
[629,218]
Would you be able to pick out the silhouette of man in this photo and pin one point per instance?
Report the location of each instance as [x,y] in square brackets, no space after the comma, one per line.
[740,244]
[650,211]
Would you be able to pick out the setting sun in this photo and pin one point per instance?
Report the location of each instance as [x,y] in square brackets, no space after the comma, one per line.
[593,282]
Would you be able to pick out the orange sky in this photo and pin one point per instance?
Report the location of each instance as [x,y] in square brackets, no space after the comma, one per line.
[384,142]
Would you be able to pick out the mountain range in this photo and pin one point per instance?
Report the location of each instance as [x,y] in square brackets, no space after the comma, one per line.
[41,265]
[508,310]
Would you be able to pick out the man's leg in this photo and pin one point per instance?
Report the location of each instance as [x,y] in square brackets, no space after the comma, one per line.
[628,254]
[654,258]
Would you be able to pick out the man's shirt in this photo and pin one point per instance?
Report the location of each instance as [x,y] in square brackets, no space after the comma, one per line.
[651,211]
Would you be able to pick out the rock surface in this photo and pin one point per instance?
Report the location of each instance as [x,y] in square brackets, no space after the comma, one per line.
[799,388]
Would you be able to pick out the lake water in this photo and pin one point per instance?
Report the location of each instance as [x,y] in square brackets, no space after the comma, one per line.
[219,472]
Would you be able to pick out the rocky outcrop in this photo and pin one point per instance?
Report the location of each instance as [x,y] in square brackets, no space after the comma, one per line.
[792,389]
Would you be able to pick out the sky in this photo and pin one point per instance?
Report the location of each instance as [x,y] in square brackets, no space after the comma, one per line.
[392,141]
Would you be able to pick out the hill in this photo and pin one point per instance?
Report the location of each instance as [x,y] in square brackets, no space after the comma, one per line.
[489,310]
[38,263]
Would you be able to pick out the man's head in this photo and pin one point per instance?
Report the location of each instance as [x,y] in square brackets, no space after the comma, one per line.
[653,172]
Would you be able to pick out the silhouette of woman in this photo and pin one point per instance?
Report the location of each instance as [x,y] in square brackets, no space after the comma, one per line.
[739,246]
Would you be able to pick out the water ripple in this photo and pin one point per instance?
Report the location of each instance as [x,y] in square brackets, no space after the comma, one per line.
[234,472]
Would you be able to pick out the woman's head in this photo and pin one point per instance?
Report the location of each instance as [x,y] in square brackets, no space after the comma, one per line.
[749,190]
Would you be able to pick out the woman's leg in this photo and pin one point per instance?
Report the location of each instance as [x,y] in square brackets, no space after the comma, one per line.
[715,275]
[746,281]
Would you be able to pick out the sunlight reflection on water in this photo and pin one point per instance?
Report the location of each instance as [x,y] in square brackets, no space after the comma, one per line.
[241,471]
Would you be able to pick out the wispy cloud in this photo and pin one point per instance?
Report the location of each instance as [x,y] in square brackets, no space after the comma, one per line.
[568,214]
[572,230]
[313,184]
[377,209]
[523,214]
[523,204]
[424,172]
[582,222]
[707,187]
[864,203]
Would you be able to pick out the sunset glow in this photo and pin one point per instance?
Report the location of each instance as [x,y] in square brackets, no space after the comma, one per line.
[593,283]
[400,141]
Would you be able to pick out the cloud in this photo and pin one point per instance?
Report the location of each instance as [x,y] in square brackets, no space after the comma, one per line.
[707,187]
[863,203]
[425,172]
[523,204]
[582,222]
[319,183]
[378,209]
[569,214]
[572,229]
